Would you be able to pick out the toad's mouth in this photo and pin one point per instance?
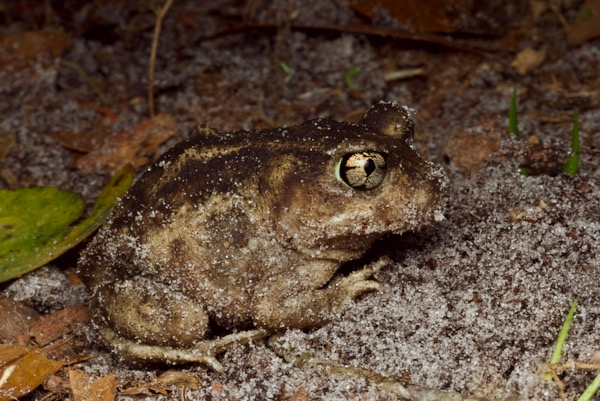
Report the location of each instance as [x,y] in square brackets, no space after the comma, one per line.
[350,242]
[341,249]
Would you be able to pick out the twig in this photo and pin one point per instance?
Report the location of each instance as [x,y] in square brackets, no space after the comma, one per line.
[159,17]
[445,41]
[561,367]
[561,385]
[560,17]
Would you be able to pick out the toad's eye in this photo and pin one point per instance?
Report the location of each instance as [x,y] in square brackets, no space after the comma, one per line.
[362,171]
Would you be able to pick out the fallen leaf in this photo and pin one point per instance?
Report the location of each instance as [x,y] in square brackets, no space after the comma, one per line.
[103,389]
[53,326]
[16,318]
[82,142]
[163,383]
[528,59]
[25,48]
[138,145]
[32,219]
[22,369]
[34,223]
[171,377]
[587,24]
[469,149]
[28,60]
[8,353]
[57,384]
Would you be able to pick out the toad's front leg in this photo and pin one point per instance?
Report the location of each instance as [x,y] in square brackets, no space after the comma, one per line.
[289,302]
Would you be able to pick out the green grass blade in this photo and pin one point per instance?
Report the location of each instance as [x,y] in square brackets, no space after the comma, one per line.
[513,128]
[572,163]
[286,69]
[562,337]
[590,390]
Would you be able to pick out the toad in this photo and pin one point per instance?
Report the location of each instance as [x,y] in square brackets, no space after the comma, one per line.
[230,237]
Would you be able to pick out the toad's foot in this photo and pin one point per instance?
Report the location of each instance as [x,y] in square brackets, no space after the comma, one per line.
[203,352]
[358,282]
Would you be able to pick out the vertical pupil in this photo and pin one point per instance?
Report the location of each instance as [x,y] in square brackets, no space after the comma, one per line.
[369,167]
[362,170]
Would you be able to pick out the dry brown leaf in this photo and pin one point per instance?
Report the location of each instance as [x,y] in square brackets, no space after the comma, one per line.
[28,62]
[103,389]
[163,383]
[53,326]
[9,353]
[16,318]
[469,149]
[138,145]
[528,59]
[587,24]
[82,142]
[171,377]
[22,369]
[24,49]
[57,384]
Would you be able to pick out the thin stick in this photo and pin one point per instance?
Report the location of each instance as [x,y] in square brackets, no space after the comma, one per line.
[159,17]
[561,385]
[561,367]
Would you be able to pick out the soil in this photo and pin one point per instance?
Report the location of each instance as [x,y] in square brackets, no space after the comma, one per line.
[472,306]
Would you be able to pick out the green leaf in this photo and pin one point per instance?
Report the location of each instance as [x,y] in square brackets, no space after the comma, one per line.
[513,126]
[33,218]
[35,223]
[572,163]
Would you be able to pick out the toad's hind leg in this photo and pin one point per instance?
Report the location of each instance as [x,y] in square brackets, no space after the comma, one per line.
[147,321]
[203,352]
[148,312]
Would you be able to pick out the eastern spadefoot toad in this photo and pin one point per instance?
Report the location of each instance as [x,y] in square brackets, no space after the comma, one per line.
[246,230]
